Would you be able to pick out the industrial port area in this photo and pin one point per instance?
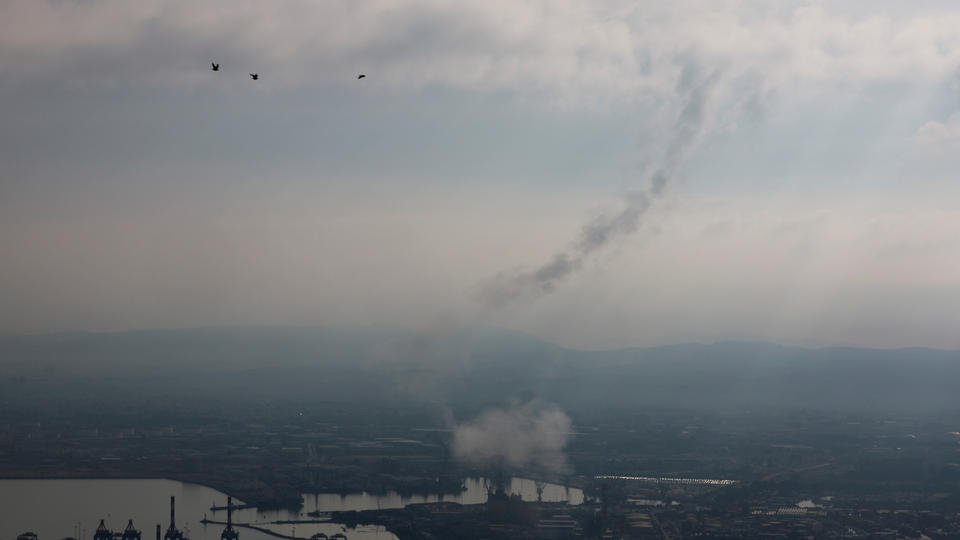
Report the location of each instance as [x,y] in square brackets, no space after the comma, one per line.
[791,475]
[350,449]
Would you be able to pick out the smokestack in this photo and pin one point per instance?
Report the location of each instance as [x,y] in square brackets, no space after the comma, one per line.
[229,511]
[158,531]
[173,522]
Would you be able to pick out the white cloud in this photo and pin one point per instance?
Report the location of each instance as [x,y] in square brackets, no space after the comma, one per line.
[939,138]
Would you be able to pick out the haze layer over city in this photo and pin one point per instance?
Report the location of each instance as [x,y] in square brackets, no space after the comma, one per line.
[560,262]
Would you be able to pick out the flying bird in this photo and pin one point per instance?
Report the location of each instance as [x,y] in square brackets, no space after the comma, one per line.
[214,67]
[360,76]
[254,76]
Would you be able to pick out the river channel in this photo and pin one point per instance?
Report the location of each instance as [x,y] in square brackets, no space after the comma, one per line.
[56,509]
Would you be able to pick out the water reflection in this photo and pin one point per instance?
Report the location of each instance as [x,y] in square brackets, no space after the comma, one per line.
[475,493]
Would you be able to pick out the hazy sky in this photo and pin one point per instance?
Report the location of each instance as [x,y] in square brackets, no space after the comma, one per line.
[810,151]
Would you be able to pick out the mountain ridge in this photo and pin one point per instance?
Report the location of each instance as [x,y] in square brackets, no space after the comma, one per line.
[477,368]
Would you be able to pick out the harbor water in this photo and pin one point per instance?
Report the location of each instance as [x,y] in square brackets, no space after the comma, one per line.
[56,509]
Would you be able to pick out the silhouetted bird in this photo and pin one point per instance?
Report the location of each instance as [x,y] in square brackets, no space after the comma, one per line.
[360,76]
[254,76]
[214,67]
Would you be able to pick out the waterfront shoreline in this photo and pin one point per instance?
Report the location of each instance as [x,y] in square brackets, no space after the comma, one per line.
[183,480]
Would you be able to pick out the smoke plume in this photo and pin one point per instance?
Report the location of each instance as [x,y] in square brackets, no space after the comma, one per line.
[695,90]
[532,434]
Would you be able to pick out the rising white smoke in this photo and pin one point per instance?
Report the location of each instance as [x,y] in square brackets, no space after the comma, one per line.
[532,434]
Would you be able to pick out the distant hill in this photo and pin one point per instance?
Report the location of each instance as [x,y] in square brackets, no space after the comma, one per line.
[476,368]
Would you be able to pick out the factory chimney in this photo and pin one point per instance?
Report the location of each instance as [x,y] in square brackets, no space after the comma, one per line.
[158,531]
[173,521]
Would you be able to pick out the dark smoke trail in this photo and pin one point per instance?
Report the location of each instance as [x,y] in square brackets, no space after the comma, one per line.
[695,90]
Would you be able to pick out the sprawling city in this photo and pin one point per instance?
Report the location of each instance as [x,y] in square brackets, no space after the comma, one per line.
[641,463]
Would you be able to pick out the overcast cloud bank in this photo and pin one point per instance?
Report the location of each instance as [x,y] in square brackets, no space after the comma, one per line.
[489,139]
[573,50]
